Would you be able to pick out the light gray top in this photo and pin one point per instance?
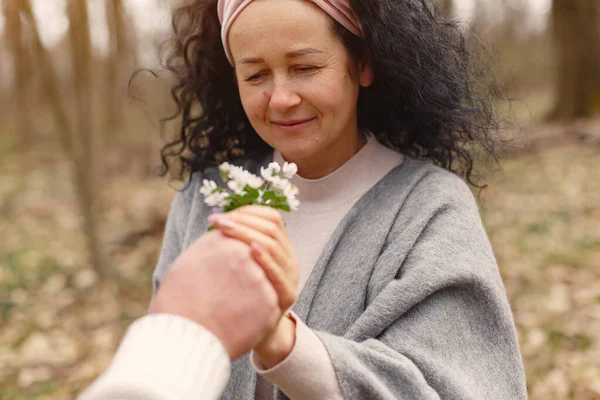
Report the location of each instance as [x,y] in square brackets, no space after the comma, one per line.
[325,201]
[406,295]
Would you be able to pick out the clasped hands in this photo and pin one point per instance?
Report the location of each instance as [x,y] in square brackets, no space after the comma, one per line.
[237,281]
[263,230]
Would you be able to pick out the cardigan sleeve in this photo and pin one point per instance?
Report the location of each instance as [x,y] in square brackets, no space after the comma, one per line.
[175,228]
[441,327]
[306,373]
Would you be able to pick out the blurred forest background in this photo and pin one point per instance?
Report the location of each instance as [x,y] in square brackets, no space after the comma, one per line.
[82,207]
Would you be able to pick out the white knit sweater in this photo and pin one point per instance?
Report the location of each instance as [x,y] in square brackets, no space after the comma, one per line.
[164,357]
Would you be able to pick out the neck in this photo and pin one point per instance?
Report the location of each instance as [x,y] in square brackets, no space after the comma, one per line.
[331,159]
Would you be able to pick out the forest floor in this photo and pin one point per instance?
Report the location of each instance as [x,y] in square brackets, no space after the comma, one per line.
[59,327]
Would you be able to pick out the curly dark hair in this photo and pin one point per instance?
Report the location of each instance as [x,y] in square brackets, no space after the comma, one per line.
[422,102]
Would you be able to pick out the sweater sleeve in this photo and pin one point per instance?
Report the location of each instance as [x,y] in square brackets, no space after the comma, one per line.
[164,357]
[173,237]
[307,372]
[440,326]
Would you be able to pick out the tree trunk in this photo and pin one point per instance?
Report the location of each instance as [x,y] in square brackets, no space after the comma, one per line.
[21,67]
[576,30]
[118,44]
[87,144]
[82,177]
[49,81]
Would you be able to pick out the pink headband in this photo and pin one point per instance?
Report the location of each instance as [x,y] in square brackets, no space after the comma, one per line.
[339,10]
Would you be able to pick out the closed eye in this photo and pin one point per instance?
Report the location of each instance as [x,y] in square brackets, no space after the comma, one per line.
[305,68]
[254,77]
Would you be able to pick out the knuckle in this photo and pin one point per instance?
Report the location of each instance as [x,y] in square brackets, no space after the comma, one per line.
[272,231]
[278,218]
[271,246]
[288,299]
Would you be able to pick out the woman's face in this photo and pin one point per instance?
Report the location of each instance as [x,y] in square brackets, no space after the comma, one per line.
[296,82]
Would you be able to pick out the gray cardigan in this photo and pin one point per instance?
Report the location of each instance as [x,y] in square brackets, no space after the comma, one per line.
[406,296]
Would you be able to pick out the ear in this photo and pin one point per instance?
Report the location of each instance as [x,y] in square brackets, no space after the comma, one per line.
[366,76]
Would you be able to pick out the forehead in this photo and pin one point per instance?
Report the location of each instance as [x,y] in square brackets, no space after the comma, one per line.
[280,25]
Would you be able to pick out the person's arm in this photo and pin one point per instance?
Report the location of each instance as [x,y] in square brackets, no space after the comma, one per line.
[441,326]
[164,357]
[212,303]
[307,372]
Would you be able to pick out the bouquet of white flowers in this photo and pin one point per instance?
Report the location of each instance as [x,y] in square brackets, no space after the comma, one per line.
[244,188]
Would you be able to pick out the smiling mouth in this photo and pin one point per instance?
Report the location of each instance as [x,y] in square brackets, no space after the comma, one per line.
[292,126]
[292,123]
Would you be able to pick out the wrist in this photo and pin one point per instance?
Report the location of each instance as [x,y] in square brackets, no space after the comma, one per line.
[278,345]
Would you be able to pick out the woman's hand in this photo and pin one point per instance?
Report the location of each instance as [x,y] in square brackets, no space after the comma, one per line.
[263,229]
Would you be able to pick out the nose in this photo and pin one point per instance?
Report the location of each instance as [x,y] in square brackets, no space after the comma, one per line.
[283,96]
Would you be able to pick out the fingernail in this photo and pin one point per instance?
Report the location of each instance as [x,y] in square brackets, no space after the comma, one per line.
[225,223]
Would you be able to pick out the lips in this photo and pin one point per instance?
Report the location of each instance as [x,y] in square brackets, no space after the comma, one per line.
[293,122]
[293,126]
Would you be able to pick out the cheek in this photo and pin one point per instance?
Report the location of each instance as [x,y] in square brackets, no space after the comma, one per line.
[254,102]
[336,95]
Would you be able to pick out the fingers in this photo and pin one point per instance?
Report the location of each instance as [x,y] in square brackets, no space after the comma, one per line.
[267,213]
[263,219]
[283,288]
[271,215]
[263,225]
[262,228]
[249,229]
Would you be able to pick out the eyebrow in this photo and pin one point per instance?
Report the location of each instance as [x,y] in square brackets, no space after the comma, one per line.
[291,54]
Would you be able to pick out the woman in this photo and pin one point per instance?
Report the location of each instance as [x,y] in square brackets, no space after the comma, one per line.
[394,286]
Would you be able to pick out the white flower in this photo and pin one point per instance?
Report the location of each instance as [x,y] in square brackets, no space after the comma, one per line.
[285,188]
[236,186]
[280,184]
[239,181]
[244,178]
[276,168]
[294,204]
[289,170]
[225,167]
[290,190]
[254,181]
[208,187]
[270,172]
[218,200]
[237,174]
[266,173]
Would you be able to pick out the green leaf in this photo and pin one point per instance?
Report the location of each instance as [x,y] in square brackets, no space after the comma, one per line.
[251,192]
[247,199]
[283,207]
[210,228]
[224,176]
[269,195]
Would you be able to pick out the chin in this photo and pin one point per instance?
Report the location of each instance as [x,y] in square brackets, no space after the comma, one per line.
[293,152]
